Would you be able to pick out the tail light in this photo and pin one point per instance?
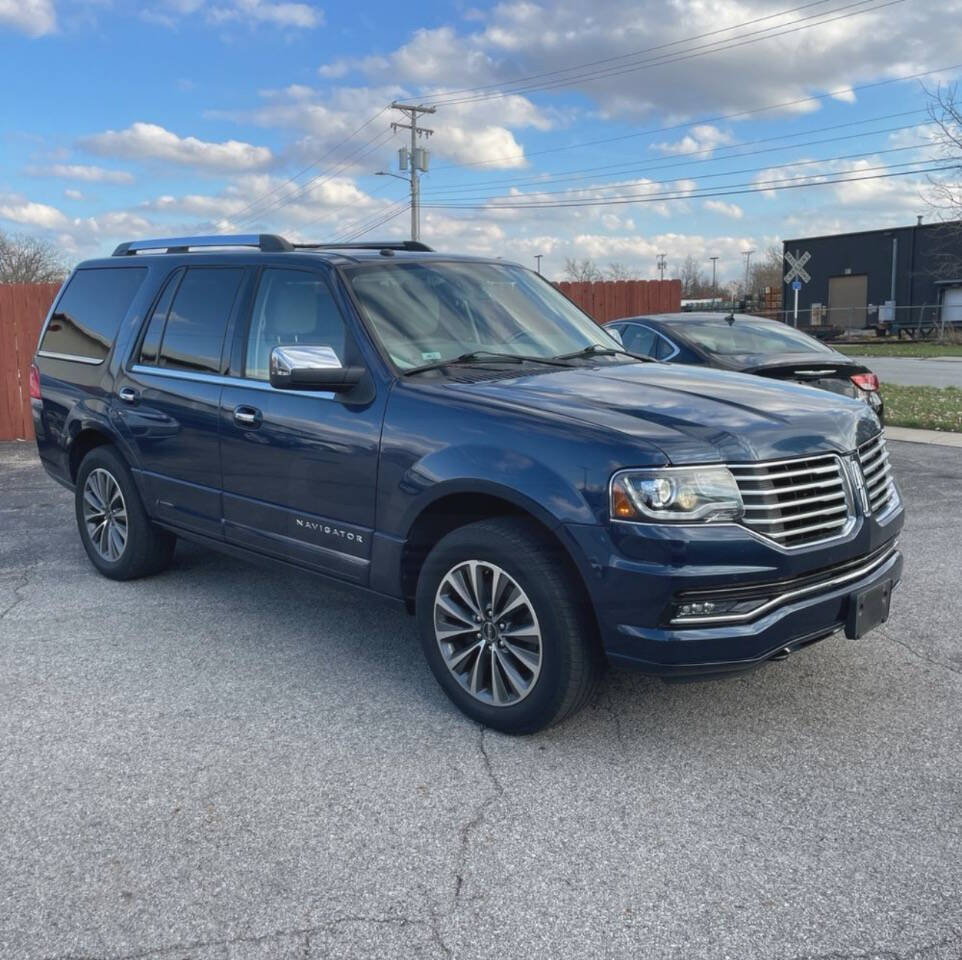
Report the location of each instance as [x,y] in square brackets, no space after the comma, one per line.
[34,382]
[865,381]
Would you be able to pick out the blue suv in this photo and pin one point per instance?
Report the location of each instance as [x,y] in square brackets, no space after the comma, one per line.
[453,433]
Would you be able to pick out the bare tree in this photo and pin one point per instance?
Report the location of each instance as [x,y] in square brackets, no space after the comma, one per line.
[618,271]
[767,271]
[944,195]
[581,271]
[25,259]
[694,282]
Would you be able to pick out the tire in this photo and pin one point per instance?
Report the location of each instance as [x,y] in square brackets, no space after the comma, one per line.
[546,663]
[145,548]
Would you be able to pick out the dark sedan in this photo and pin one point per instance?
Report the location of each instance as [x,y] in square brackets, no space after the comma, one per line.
[749,345]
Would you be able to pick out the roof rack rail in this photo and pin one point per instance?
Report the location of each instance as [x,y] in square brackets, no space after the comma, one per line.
[268,242]
[414,246]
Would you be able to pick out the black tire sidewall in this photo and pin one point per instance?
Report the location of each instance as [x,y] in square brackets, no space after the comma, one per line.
[140,540]
[474,542]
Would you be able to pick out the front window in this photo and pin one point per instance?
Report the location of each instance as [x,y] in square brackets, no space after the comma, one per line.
[431,312]
[746,336]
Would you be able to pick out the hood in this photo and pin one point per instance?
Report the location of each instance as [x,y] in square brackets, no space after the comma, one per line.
[693,414]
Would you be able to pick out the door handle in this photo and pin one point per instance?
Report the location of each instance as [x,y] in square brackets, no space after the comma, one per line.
[248,416]
[127,394]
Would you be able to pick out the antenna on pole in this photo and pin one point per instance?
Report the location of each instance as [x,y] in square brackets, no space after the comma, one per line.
[662,263]
[416,158]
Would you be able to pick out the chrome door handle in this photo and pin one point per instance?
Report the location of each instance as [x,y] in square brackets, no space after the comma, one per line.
[127,395]
[249,416]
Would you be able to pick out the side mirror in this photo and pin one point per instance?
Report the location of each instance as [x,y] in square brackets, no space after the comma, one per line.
[311,368]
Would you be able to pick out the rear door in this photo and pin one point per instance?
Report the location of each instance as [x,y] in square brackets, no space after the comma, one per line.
[169,396]
[299,467]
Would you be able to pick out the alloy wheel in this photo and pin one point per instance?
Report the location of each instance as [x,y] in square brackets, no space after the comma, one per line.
[105,514]
[488,633]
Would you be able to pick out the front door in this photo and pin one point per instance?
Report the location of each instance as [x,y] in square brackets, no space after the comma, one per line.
[299,467]
[168,400]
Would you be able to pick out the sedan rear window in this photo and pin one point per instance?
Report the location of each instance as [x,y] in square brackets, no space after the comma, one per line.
[746,335]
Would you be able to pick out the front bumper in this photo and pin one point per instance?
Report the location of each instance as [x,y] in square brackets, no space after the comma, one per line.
[648,569]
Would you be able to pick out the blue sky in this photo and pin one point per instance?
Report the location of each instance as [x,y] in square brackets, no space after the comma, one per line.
[123,120]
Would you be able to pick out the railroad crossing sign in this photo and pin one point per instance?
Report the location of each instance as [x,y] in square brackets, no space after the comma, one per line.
[796,264]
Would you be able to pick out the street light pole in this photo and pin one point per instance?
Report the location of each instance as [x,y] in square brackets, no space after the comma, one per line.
[714,285]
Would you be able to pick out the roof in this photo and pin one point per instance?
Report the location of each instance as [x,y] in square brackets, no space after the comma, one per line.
[947,224]
[693,315]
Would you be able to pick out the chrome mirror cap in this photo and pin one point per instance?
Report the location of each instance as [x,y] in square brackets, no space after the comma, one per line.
[311,368]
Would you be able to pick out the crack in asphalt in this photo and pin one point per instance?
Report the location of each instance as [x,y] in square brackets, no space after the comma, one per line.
[920,656]
[928,951]
[22,584]
[306,932]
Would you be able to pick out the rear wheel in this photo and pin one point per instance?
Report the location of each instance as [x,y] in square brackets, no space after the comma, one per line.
[505,626]
[116,532]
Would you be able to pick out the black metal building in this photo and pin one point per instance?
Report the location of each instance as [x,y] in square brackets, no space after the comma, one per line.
[903,278]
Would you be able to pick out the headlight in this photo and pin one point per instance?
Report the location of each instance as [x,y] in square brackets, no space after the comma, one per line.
[679,494]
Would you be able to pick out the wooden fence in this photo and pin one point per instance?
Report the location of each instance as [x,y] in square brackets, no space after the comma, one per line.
[23,307]
[612,299]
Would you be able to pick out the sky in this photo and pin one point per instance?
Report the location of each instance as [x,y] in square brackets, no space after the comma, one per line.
[615,130]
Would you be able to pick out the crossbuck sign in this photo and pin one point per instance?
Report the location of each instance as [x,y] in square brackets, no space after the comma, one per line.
[796,266]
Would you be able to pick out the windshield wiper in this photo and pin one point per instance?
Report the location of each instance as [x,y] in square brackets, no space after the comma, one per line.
[479,356]
[598,350]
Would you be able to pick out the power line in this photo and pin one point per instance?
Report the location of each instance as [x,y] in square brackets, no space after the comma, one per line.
[534,195]
[696,52]
[454,193]
[310,166]
[720,152]
[629,55]
[760,186]
[377,141]
[718,118]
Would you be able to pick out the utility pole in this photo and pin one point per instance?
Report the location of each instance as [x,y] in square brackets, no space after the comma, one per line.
[748,266]
[714,285]
[538,257]
[418,157]
[662,263]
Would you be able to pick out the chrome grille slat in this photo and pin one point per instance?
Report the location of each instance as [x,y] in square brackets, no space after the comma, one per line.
[873,458]
[795,502]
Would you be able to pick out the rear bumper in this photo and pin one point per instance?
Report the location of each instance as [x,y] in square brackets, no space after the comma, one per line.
[639,580]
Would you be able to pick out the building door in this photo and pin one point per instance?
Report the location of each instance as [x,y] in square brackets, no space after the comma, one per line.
[952,305]
[847,302]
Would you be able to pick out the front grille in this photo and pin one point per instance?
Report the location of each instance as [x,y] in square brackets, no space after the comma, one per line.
[874,461]
[795,502]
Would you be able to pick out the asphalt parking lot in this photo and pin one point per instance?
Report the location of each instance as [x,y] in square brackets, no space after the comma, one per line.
[226,761]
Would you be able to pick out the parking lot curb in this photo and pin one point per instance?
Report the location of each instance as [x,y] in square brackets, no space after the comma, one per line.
[941,438]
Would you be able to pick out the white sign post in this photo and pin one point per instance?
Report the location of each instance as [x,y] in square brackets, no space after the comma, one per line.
[797,274]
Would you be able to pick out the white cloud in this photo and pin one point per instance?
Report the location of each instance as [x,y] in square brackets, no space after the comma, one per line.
[31,214]
[725,209]
[73,194]
[33,17]
[250,12]
[148,141]
[702,137]
[78,171]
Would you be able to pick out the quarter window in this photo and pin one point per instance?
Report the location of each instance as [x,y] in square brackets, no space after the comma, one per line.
[638,339]
[90,312]
[194,334]
[291,307]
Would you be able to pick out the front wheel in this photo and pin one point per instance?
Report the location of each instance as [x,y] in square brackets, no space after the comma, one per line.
[506,627]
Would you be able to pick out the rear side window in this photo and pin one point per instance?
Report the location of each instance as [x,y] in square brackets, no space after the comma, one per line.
[90,312]
[150,347]
[638,339]
[194,333]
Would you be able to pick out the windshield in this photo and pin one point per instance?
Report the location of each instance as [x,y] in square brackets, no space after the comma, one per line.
[430,312]
[747,335]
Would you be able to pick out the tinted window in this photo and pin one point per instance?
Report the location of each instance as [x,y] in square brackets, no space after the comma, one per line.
[663,348]
[150,346]
[638,339]
[91,310]
[198,319]
[292,306]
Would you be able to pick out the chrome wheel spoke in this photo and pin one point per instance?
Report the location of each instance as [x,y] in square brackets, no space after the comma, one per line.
[105,514]
[488,633]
